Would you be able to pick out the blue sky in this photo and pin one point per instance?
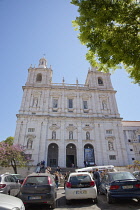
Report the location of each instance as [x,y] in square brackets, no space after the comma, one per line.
[31,28]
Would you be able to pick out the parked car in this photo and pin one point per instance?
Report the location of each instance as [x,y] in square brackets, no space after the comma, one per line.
[18,177]
[119,185]
[137,174]
[80,186]
[39,188]
[9,185]
[9,202]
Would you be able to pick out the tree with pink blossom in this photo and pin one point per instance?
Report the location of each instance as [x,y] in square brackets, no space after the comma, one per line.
[12,155]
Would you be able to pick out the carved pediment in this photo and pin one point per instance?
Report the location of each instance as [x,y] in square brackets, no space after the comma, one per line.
[37,93]
[85,96]
[54,127]
[110,138]
[71,95]
[30,136]
[88,128]
[103,96]
[55,94]
[71,128]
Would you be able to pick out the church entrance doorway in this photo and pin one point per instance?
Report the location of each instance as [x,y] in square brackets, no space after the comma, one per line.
[71,157]
[89,155]
[52,159]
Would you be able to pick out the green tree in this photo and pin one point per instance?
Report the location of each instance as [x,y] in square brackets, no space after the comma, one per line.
[111,31]
[9,140]
[12,155]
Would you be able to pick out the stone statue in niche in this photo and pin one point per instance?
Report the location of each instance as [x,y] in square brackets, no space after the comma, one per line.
[53,135]
[35,102]
[87,135]
[70,135]
[55,103]
[110,145]
[29,144]
[104,104]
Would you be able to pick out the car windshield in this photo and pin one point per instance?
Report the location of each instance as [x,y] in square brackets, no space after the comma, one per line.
[40,180]
[121,176]
[17,176]
[80,178]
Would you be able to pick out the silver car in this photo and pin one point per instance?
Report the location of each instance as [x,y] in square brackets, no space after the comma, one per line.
[9,185]
[8,202]
[137,174]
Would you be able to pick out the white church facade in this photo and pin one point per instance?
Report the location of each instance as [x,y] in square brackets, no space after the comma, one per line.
[65,124]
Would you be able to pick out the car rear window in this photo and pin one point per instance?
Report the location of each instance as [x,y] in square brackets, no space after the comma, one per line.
[122,176]
[80,178]
[40,180]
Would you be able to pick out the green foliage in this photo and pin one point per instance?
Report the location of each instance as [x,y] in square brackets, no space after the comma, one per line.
[111,31]
[9,140]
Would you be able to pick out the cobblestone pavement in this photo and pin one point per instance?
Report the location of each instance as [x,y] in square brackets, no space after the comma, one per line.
[89,205]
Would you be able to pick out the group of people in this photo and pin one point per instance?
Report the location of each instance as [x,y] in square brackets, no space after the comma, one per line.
[96,174]
[42,169]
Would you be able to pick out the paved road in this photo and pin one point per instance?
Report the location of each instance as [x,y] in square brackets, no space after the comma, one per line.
[89,205]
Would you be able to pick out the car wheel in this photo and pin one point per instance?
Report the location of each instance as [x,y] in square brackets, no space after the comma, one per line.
[68,202]
[110,200]
[95,200]
[53,205]
[100,192]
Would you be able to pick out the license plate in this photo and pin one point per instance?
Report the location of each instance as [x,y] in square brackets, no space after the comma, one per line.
[81,192]
[34,197]
[127,187]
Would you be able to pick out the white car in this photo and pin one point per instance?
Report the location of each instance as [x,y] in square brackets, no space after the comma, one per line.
[8,202]
[80,185]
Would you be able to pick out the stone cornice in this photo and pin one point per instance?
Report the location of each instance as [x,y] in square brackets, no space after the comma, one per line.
[71,140]
[102,118]
[88,140]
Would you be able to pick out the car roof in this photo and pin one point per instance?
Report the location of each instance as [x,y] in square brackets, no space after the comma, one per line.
[78,173]
[118,172]
[39,174]
[5,174]
[15,174]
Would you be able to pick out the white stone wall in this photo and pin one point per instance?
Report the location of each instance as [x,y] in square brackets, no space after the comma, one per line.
[36,112]
[131,131]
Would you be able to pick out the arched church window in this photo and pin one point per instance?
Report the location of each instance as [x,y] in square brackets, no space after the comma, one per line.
[39,77]
[100,81]
[54,135]
[87,135]
[29,144]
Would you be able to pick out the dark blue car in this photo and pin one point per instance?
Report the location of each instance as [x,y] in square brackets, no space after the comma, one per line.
[120,185]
